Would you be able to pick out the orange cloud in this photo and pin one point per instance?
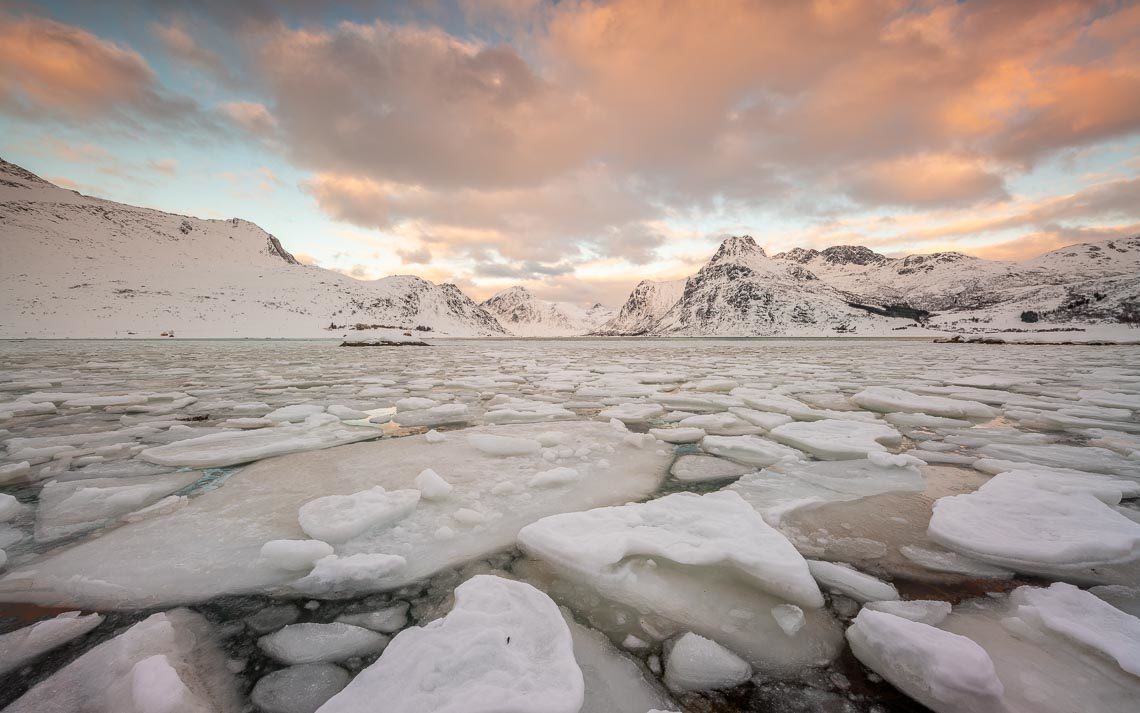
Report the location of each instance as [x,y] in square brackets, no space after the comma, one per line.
[51,67]
[926,180]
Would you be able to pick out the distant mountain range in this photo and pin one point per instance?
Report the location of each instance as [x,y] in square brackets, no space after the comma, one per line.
[850,289]
[75,266]
[524,315]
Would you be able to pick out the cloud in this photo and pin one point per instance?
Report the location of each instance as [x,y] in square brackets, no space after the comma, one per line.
[1052,238]
[166,166]
[254,117]
[52,70]
[419,256]
[579,215]
[181,45]
[438,110]
[925,180]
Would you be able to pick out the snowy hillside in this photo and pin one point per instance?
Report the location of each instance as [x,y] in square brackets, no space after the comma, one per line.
[648,303]
[524,315]
[853,290]
[76,266]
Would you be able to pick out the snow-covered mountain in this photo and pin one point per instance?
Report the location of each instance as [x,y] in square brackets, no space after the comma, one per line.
[647,304]
[75,266]
[524,315]
[853,290]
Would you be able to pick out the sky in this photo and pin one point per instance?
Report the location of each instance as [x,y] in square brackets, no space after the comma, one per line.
[579,147]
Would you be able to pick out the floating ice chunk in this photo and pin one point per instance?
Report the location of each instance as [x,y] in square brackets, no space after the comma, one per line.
[925,611]
[337,573]
[946,561]
[789,617]
[1084,619]
[677,435]
[14,472]
[317,643]
[614,682]
[387,620]
[167,662]
[717,385]
[337,518]
[1086,458]
[299,689]
[750,450]
[527,412]
[1107,399]
[851,582]
[504,646]
[1105,488]
[432,486]
[836,440]
[697,468]
[345,413]
[13,409]
[1044,670]
[633,412]
[505,446]
[887,400]
[72,507]
[434,436]
[415,403]
[294,413]
[713,530]
[434,416]
[555,477]
[294,555]
[721,424]
[164,506]
[10,507]
[212,545]
[943,671]
[699,664]
[791,485]
[921,420]
[23,645]
[1014,524]
[764,419]
[233,447]
[469,517]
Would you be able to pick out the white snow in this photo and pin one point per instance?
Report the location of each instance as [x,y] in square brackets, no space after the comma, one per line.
[749,450]
[296,555]
[299,689]
[851,582]
[944,671]
[890,400]
[925,611]
[833,439]
[23,645]
[317,643]
[336,518]
[213,544]
[503,647]
[504,446]
[230,448]
[432,486]
[1012,523]
[699,664]
[170,661]
[712,530]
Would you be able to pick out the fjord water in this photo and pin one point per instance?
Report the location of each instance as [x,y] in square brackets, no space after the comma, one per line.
[712,515]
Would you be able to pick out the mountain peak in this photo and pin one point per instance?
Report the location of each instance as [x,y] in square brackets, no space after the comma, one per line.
[738,246]
[852,255]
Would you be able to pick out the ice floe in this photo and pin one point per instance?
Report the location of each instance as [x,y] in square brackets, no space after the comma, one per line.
[504,646]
